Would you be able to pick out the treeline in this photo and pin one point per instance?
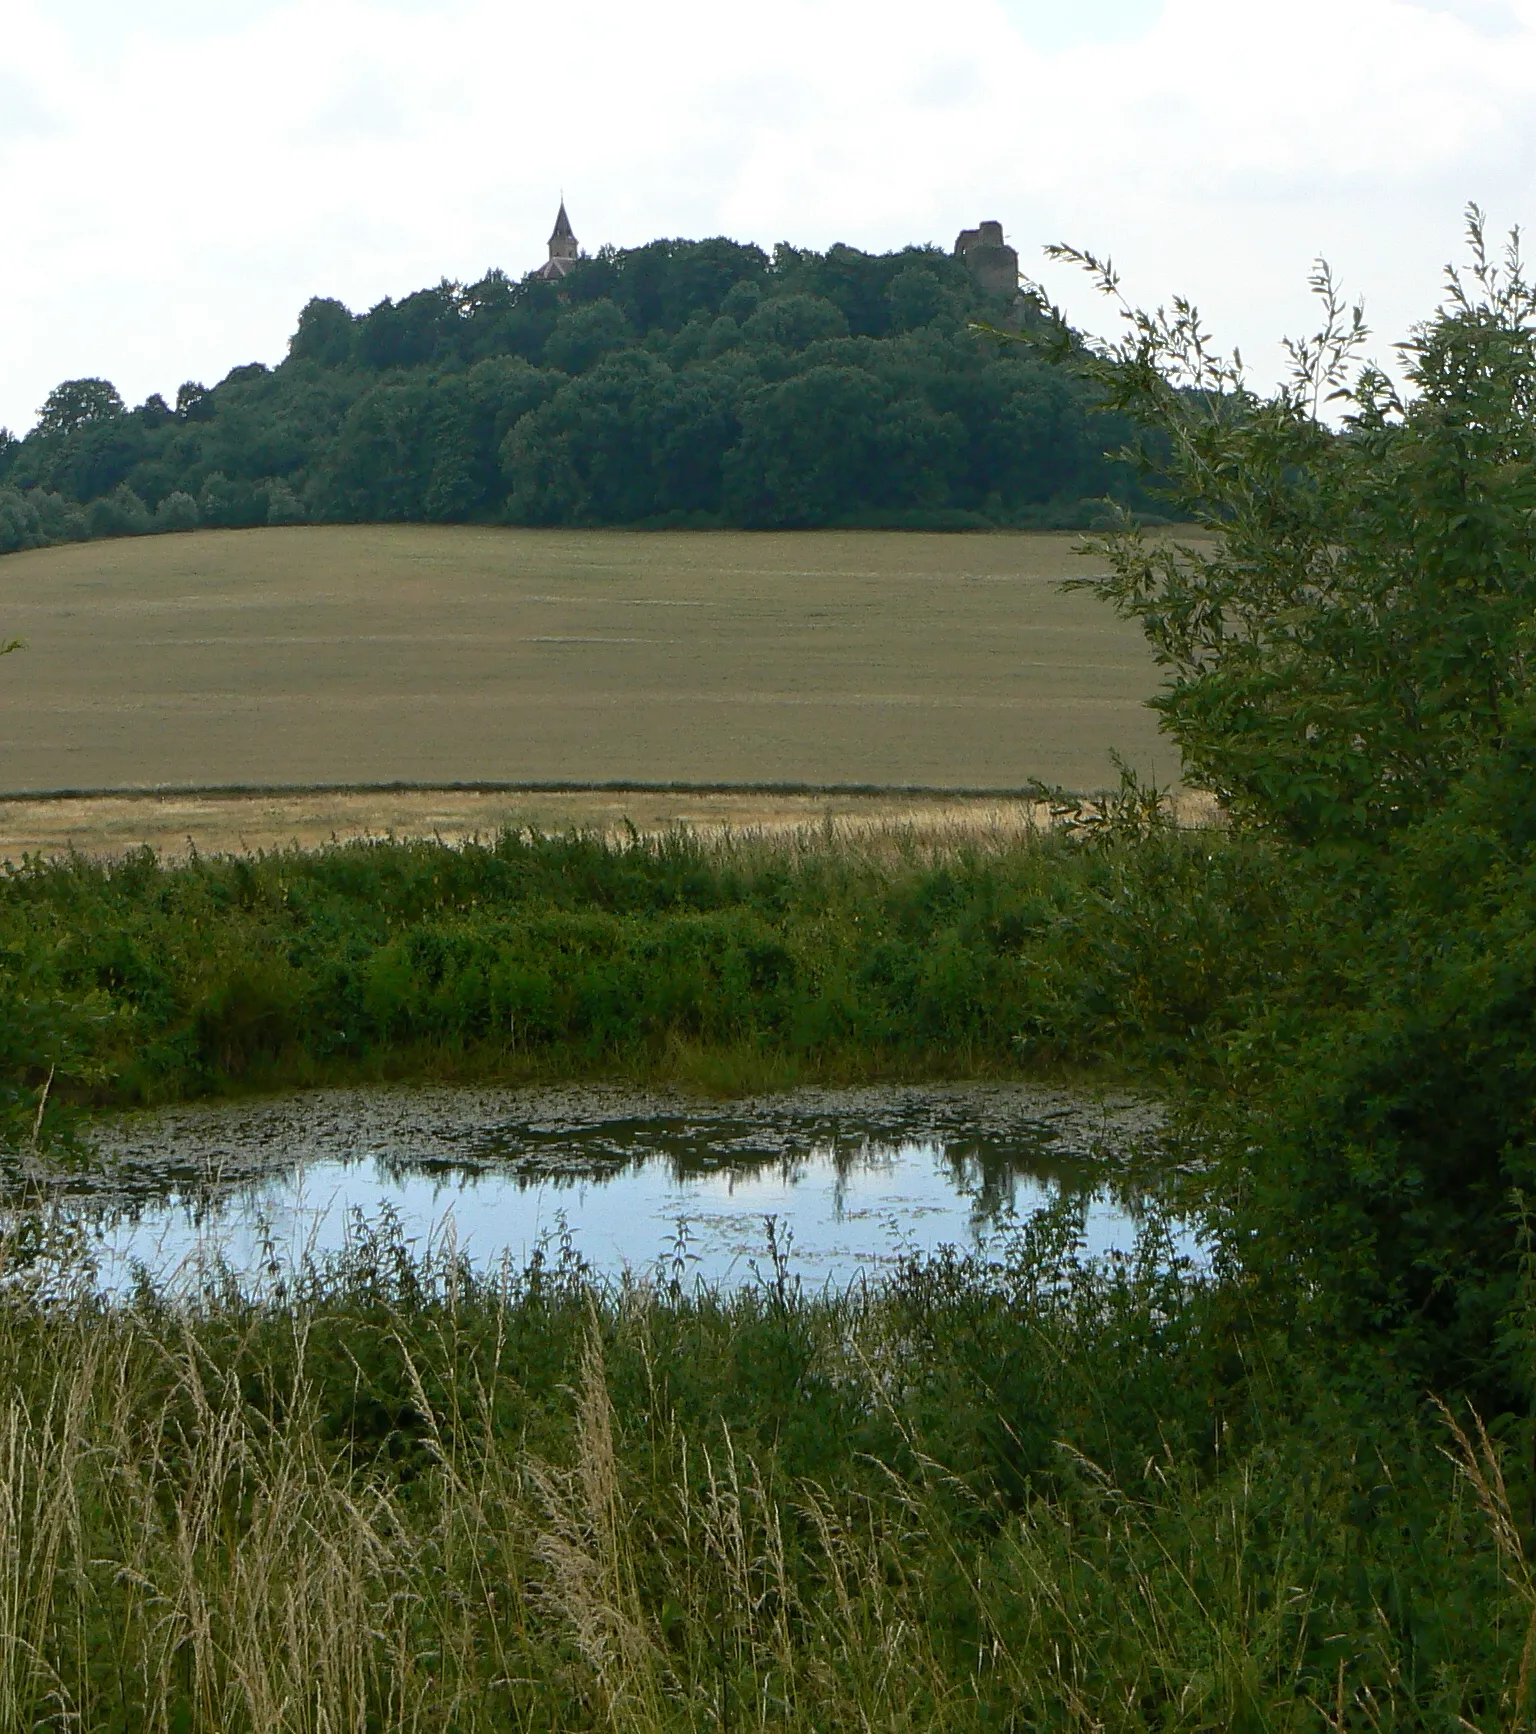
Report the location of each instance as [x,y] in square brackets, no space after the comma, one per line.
[682,383]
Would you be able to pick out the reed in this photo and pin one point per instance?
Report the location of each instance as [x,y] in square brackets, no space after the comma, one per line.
[725,962]
[389,1495]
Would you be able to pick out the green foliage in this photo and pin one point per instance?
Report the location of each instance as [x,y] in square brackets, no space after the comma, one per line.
[177,512]
[143,982]
[588,455]
[794,322]
[192,401]
[77,404]
[685,382]
[584,335]
[58,518]
[386,1493]
[835,434]
[20,524]
[1347,647]
[1376,1118]
[324,334]
[120,513]
[1354,635]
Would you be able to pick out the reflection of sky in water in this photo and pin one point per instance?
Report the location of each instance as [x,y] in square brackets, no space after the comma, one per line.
[856,1179]
[841,1224]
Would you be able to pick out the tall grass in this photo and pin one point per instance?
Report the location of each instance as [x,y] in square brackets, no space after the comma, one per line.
[388,1495]
[727,963]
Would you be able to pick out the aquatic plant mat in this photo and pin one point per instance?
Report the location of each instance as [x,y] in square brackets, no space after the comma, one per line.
[385,1494]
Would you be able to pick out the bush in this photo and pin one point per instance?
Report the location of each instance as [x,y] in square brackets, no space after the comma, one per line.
[1353,637]
[58,519]
[231,505]
[120,513]
[20,525]
[176,512]
[168,981]
[1349,648]
[283,505]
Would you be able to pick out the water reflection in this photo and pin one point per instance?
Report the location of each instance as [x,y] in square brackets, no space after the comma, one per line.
[852,1178]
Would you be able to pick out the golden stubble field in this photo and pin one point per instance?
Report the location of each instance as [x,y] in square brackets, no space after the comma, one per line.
[436,656]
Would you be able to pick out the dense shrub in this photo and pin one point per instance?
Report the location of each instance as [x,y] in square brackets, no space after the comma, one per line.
[177,512]
[1348,646]
[20,525]
[137,981]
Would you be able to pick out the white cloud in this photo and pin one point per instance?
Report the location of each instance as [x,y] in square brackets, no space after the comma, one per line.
[180,176]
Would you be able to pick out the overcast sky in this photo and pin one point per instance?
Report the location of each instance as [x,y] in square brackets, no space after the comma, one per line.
[178,177]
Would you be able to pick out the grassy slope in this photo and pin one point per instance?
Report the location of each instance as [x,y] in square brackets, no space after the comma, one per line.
[379,654]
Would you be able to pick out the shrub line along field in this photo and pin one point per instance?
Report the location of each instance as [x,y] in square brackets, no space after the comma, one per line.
[432,655]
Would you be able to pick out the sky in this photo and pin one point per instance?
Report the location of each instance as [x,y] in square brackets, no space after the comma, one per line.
[179,176]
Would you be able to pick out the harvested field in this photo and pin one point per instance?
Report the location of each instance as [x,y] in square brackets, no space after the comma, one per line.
[433,656]
[219,823]
[229,824]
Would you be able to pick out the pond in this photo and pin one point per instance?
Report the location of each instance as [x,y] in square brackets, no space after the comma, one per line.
[847,1180]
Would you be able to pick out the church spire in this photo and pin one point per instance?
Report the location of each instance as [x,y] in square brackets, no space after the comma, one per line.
[563,250]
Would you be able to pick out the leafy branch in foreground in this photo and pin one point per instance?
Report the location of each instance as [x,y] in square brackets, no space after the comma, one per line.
[1349,630]
[1347,640]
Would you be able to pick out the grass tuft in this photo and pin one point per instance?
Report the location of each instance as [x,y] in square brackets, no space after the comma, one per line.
[384,1493]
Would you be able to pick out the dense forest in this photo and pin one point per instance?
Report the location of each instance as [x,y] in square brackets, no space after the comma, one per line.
[681,383]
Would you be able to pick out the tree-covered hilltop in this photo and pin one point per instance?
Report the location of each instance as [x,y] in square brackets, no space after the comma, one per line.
[684,382]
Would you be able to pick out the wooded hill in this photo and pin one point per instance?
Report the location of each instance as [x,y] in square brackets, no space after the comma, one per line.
[680,383]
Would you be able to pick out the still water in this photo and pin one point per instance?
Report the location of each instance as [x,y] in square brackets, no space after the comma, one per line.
[850,1179]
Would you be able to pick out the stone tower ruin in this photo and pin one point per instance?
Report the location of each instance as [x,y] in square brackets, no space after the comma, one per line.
[993,264]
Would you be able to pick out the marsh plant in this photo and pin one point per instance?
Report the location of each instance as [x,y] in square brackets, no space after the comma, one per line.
[389,1494]
[719,962]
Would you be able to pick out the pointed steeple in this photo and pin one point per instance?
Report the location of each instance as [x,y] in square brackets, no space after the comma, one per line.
[563,250]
